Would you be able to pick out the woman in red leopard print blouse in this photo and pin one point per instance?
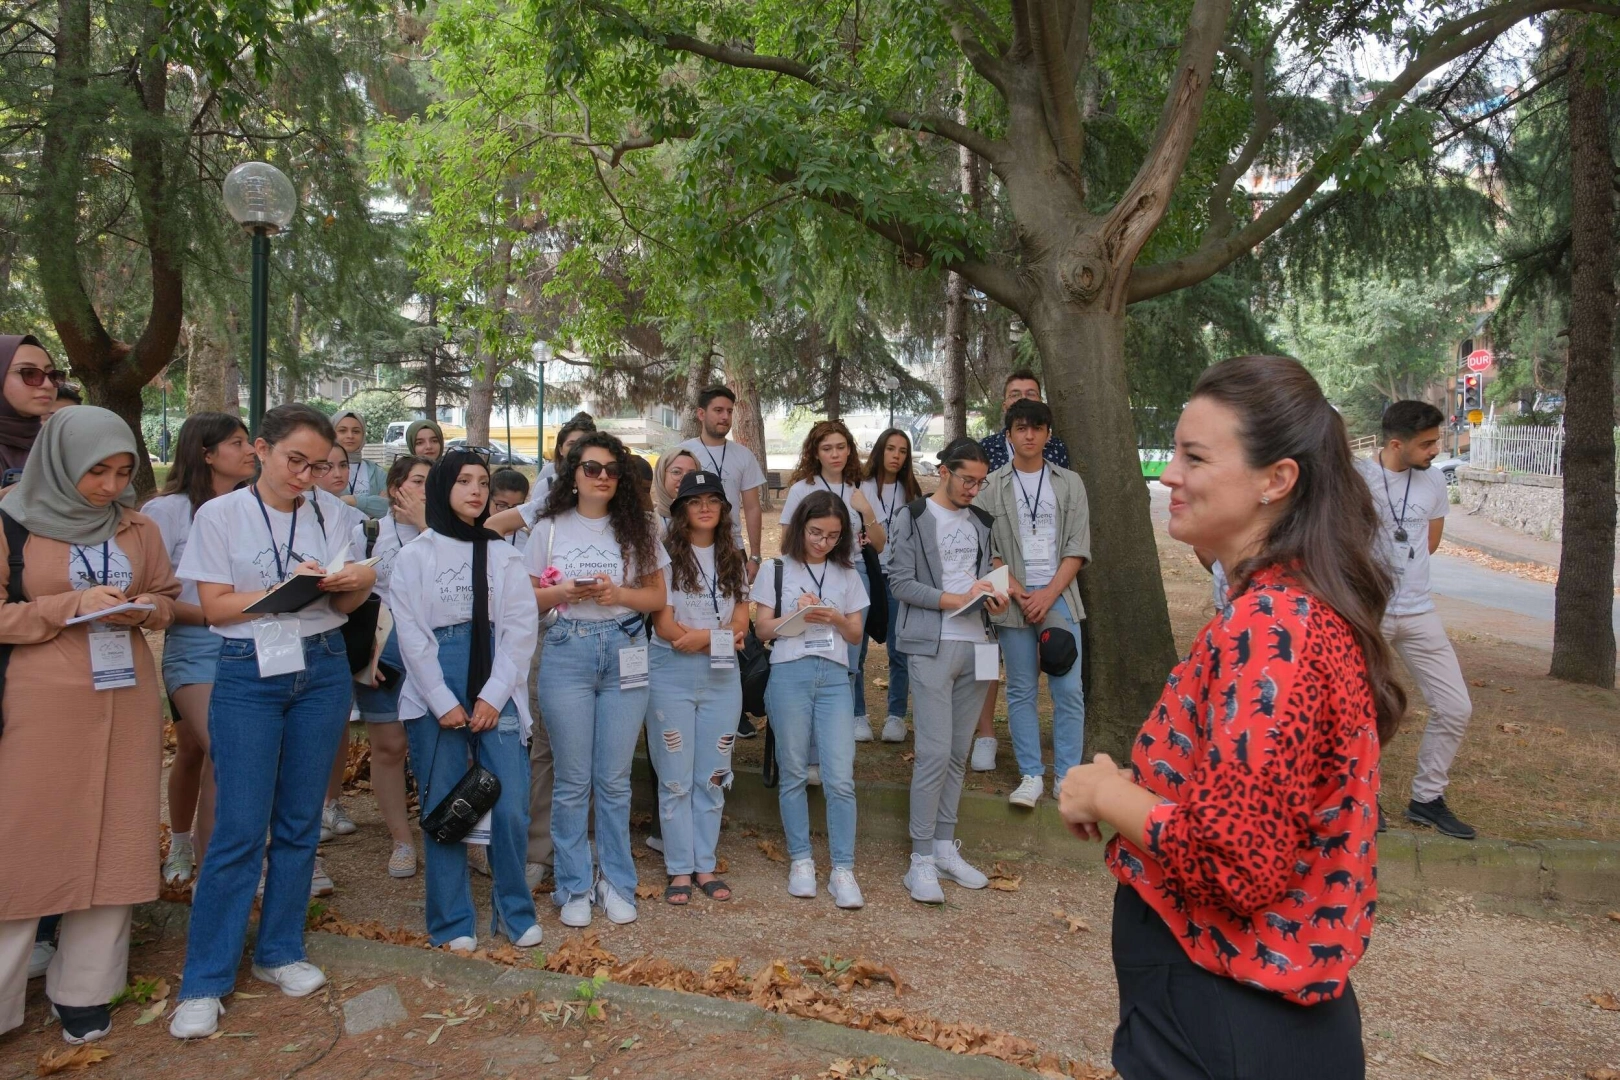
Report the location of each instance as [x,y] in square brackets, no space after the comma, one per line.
[1247,820]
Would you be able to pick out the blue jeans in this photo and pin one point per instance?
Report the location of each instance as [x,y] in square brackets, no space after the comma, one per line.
[272,741]
[899,665]
[380,704]
[593,727]
[857,653]
[691,726]
[441,757]
[808,703]
[1021,650]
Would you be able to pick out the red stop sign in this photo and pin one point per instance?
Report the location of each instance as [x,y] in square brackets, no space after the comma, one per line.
[1479,360]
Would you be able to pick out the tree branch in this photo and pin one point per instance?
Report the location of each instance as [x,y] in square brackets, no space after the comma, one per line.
[1262,125]
[1048,40]
[1449,41]
[1516,100]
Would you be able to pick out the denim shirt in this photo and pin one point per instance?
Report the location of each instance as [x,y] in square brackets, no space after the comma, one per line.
[999,498]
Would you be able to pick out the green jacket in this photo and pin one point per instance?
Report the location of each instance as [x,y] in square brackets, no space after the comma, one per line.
[999,498]
[374,505]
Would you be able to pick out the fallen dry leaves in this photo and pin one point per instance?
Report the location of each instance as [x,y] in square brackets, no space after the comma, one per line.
[1614,916]
[1605,1001]
[1511,728]
[848,974]
[1074,923]
[72,1059]
[772,850]
[1602,1074]
[647,892]
[1004,880]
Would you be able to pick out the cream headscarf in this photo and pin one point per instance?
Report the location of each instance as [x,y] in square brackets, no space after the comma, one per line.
[46,501]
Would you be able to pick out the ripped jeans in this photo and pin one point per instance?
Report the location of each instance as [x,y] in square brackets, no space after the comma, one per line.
[691,725]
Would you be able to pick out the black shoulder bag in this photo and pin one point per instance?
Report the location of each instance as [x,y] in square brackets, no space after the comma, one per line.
[755,662]
[360,632]
[473,796]
[16,539]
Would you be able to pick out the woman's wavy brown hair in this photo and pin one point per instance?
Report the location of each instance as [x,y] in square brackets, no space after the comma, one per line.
[632,524]
[809,466]
[1327,533]
[729,564]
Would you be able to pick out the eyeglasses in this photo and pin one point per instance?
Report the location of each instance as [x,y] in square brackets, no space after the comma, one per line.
[968,483]
[298,465]
[593,469]
[33,376]
[816,536]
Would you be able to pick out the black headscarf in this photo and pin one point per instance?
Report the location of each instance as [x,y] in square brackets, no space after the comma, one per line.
[443,520]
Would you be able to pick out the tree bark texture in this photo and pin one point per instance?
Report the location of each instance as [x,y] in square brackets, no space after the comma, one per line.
[205,370]
[748,421]
[698,374]
[481,383]
[1583,626]
[953,387]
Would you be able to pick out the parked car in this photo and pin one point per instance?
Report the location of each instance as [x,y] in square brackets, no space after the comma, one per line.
[499,453]
[1448,466]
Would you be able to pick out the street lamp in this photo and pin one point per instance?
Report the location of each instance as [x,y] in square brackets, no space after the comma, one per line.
[541,353]
[505,382]
[892,383]
[261,200]
[163,435]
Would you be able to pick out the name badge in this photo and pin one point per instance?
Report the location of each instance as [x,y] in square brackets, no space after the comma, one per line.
[820,639]
[986,662]
[112,659]
[722,648]
[279,646]
[633,670]
[1037,548]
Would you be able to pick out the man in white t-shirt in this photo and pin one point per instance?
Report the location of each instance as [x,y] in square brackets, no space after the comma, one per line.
[734,463]
[1412,502]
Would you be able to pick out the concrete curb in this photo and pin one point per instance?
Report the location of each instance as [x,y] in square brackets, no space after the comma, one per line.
[1525,877]
[1500,553]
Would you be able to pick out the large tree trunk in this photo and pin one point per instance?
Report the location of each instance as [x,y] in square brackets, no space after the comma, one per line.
[698,373]
[481,388]
[748,422]
[954,384]
[1127,623]
[1583,626]
[480,402]
[205,370]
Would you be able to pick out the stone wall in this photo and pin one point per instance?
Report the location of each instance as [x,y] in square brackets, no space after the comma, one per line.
[1533,505]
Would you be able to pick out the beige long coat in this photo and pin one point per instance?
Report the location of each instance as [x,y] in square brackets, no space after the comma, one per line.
[79,768]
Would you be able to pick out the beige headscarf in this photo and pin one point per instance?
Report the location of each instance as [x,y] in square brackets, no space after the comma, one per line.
[661,498]
[46,501]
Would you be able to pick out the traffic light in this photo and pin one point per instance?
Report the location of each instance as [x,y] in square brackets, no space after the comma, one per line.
[1471,392]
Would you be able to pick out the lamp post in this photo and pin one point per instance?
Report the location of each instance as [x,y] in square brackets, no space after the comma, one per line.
[505,383]
[541,353]
[261,200]
[891,383]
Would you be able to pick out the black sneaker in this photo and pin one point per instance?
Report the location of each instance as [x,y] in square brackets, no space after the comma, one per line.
[1439,815]
[1383,822]
[746,728]
[83,1023]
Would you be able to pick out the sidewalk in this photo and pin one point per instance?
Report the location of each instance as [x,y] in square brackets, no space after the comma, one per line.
[1500,542]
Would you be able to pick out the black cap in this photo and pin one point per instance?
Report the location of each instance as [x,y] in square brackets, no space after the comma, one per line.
[700,483]
[1058,651]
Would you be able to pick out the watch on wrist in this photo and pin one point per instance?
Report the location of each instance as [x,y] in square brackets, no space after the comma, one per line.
[754,559]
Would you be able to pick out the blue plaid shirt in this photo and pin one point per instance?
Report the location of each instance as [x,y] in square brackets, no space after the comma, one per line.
[996,449]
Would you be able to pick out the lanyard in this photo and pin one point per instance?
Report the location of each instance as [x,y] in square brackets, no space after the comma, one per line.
[354,475]
[88,569]
[842,487]
[725,448]
[1033,508]
[714,584]
[1400,523]
[292,531]
[821,583]
[888,507]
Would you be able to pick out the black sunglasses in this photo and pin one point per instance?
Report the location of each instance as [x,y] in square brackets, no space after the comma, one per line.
[593,469]
[33,376]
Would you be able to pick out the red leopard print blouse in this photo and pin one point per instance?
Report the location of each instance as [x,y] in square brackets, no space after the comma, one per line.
[1263,857]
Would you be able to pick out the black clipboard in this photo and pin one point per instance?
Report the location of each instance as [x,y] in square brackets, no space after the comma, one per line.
[294,594]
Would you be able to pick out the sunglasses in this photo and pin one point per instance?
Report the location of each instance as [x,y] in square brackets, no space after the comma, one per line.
[593,469]
[33,376]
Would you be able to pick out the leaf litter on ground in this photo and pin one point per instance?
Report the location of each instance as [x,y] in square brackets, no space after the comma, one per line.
[72,1059]
[1003,879]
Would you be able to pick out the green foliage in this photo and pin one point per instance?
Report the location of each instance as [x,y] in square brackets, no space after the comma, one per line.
[378,409]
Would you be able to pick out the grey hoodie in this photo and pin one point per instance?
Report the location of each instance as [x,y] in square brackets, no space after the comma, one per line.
[914,575]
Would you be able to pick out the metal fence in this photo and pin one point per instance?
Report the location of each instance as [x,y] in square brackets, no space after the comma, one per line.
[1520,448]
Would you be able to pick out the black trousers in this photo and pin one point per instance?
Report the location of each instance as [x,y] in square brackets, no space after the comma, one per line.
[1180,1022]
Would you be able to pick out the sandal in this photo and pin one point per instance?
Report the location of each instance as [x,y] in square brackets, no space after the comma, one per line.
[715,885]
[677,895]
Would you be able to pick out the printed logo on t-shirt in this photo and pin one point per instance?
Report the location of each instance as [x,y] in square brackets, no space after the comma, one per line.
[455,585]
[86,569]
[590,561]
[265,563]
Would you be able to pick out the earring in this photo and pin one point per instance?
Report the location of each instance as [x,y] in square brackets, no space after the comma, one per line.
[575,491]
[1265,500]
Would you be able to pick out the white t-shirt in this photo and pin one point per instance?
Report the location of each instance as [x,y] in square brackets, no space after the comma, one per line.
[172,513]
[90,565]
[805,488]
[840,586]
[392,535]
[518,541]
[538,494]
[359,478]
[887,503]
[738,470]
[434,575]
[958,566]
[583,547]
[703,610]
[341,518]
[231,545]
[1033,494]
[1411,510]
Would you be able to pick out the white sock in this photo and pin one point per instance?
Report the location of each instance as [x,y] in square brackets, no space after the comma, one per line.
[179,838]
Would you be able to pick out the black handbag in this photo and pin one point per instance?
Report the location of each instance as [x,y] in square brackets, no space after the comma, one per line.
[360,631]
[473,796]
[877,616]
[754,663]
[16,539]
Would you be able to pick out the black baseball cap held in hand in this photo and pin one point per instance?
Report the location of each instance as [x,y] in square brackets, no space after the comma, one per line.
[1058,651]
[700,483]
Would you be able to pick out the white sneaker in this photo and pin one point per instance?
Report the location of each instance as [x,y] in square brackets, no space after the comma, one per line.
[922,880]
[40,958]
[534,873]
[336,820]
[577,912]
[297,979]
[180,863]
[462,944]
[951,866]
[402,863]
[529,938]
[618,909]
[812,776]
[863,728]
[196,1018]
[984,754]
[320,882]
[1028,792]
[894,729]
[656,843]
[845,893]
[802,878]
